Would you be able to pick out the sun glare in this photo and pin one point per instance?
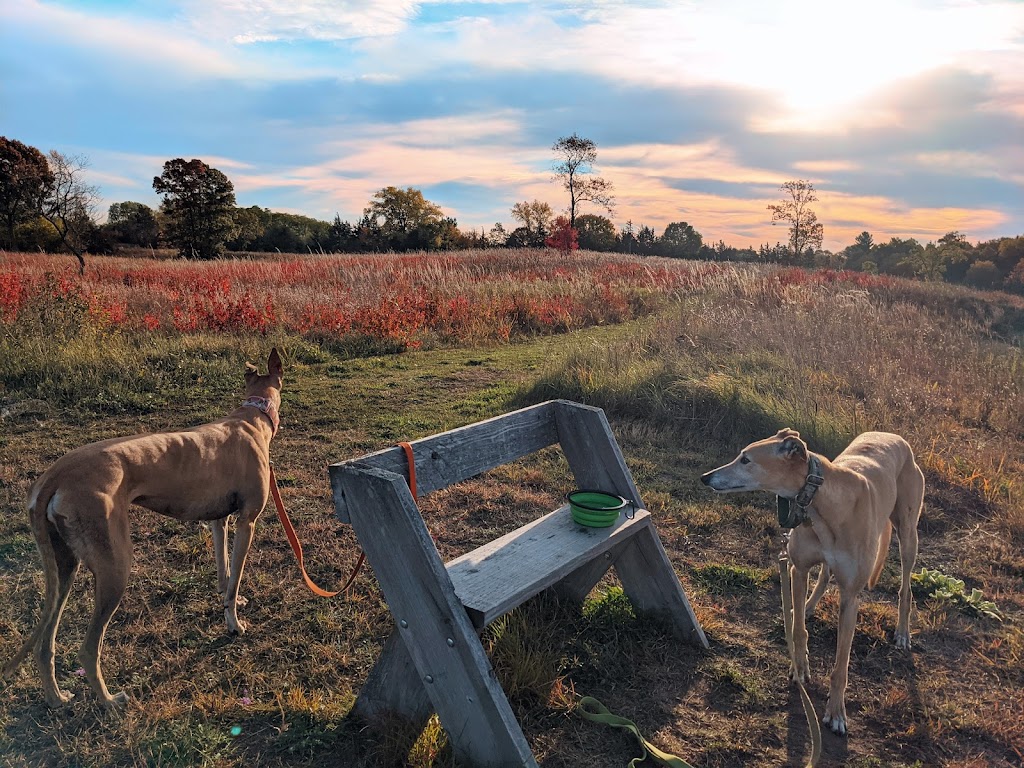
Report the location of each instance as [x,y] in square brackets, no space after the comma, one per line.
[820,58]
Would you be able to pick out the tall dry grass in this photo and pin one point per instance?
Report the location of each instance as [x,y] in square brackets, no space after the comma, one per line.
[753,351]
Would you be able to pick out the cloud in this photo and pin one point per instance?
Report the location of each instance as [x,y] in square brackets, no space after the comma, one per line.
[260,21]
[145,43]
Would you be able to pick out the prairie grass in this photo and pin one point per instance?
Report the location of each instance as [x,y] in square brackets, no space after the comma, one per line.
[692,363]
[747,356]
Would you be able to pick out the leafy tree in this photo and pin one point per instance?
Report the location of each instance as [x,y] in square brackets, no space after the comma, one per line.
[895,257]
[805,233]
[25,178]
[778,253]
[957,254]
[1015,280]
[864,242]
[681,241]
[342,237]
[69,203]
[596,233]
[368,234]
[575,158]
[521,237]
[134,224]
[497,237]
[1009,253]
[536,217]
[928,263]
[36,234]
[646,240]
[249,225]
[198,202]
[563,236]
[983,274]
[627,240]
[934,260]
[406,220]
[860,251]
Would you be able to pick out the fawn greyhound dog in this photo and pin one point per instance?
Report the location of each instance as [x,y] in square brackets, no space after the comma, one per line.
[78,509]
[845,512]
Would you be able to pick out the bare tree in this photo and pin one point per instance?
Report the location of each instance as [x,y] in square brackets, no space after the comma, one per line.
[70,203]
[804,230]
[574,166]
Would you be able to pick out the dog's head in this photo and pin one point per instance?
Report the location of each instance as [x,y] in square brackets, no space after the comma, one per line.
[267,385]
[776,464]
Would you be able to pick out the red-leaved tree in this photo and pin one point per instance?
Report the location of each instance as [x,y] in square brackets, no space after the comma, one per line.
[563,236]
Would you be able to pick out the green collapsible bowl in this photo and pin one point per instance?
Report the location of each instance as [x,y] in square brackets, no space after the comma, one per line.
[595,509]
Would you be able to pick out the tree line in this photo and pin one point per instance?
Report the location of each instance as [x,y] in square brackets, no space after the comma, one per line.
[45,204]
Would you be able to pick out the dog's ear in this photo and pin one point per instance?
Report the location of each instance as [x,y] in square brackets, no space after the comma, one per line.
[250,370]
[787,432]
[274,365]
[792,446]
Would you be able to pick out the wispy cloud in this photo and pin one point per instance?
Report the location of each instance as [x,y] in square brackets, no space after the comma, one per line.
[260,21]
[151,44]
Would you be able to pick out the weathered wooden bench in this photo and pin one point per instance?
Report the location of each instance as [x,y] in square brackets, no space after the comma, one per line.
[434,660]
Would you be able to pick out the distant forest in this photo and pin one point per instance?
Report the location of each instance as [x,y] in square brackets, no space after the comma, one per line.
[46,205]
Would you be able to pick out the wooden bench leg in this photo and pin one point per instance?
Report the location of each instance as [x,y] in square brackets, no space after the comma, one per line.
[577,585]
[650,582]
[446,655]
[394,687]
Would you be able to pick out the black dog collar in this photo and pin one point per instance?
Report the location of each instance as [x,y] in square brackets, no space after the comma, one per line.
[790,517]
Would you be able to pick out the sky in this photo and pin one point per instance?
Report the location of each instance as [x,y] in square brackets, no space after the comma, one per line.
[906,116]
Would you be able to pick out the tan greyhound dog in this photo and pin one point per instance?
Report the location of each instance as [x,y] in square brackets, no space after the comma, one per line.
[78,509]
[845,512]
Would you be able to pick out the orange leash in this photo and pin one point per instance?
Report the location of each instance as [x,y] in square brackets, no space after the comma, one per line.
[294,539]
[297,548]
[407,447]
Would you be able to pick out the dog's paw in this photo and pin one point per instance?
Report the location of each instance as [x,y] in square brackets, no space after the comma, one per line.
[58,698]
[835,717]
[238,627]
[902,639]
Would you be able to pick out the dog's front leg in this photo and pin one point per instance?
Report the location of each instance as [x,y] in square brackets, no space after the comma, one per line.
[800,669]
[245,528]
[835,710]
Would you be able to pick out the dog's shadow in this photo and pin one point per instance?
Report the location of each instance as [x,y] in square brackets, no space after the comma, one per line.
[835,749]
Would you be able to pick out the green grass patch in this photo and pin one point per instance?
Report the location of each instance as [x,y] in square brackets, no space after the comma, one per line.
[718,579]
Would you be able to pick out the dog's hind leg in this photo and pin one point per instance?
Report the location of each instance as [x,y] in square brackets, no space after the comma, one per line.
[46,645]
[59,568]
[112,550]
[220,555]
[910,488]
[819,589]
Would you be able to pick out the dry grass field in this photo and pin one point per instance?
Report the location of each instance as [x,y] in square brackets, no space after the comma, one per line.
[699,360]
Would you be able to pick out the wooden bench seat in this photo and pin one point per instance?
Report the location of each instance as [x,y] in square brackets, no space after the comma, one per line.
[504,573]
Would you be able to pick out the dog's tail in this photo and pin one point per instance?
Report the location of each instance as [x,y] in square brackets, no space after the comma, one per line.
[883,552]
[45,533]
